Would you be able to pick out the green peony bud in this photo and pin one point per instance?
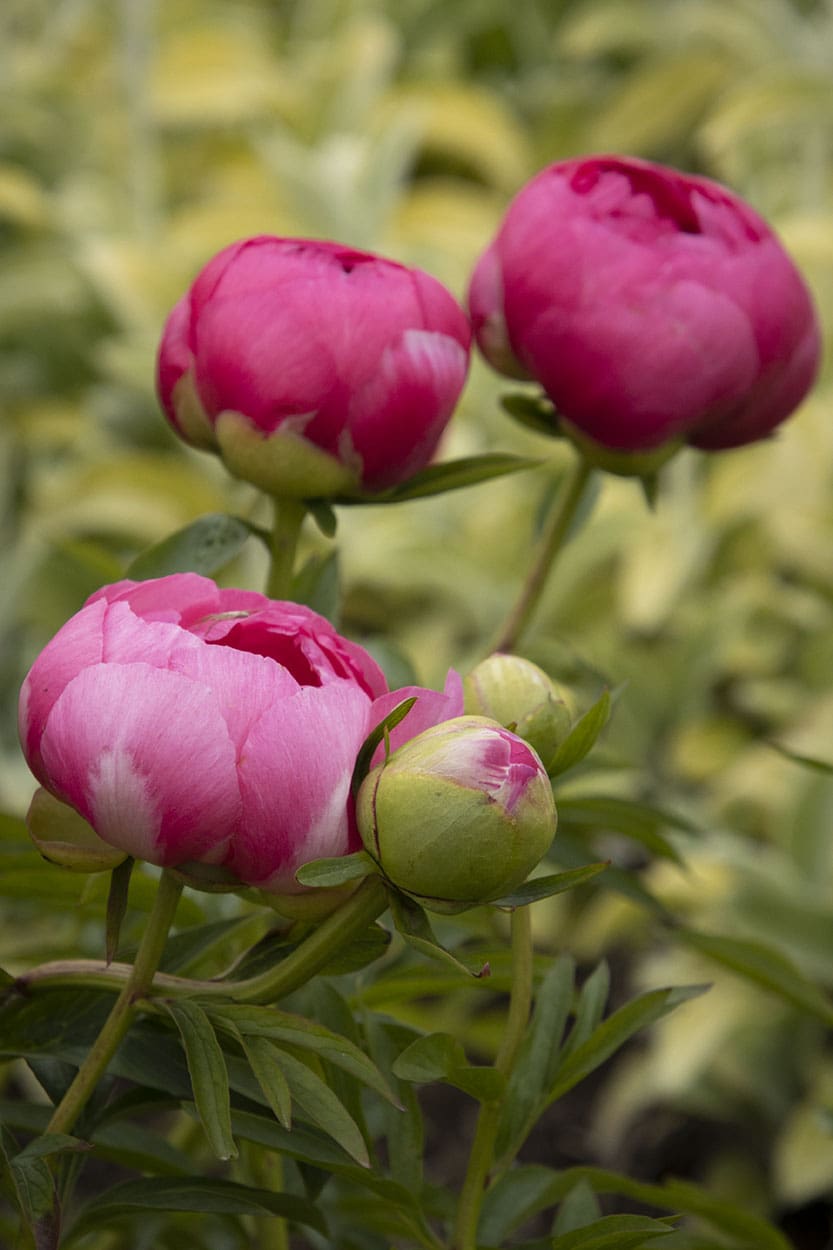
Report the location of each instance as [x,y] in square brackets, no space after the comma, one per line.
[516,692]
[459,815]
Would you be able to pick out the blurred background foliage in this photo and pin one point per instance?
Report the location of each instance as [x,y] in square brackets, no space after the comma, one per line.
[138,137]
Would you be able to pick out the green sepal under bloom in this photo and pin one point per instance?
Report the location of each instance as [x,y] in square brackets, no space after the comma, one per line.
[459,815]
[644,464]
[64,838]
[519,695]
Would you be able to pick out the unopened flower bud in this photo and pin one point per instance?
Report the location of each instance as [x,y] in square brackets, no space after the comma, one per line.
[459,815]
[517,693]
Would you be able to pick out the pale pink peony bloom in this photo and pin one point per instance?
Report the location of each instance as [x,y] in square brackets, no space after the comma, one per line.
[189,723]
[313,368]
[651,306]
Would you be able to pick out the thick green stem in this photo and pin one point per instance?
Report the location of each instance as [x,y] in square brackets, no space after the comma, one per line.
[117,1023]
[488,1120]
[286,530]
[552,538]
[360,910]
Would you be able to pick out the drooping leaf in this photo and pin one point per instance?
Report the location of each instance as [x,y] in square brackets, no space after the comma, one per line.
[204,1195]
[533,411]
[209,1074]
[204,546]
[319,1104]
[440,1057]
[413,923]
[582,737]
[614,1232]
[270,1077]
[806,761]
[546,887]
[282,1026]
[323,515]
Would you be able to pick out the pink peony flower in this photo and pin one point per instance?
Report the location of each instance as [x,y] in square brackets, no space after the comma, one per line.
[188,723]
[312,368]
[650,305]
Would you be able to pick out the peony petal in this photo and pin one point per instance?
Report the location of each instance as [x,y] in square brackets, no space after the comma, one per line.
[144,755]
[295,775]
[432,707]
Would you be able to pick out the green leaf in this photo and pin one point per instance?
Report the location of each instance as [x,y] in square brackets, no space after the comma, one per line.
[405,1134]
[117,905]
[413,923]
[209,1074]
[638,821]
[206,1195]
[373,739]
[807,761]
[614,1232]
[33,1186]
[546,887]
[50,1144]
[440,1057]
[533,411]
[320,1105]
[452,475]
[579,1208]
[204,546]
[617,1029]
[317,584]
[534,1069]
[269,1076]
[337,871]
[582,737]
[764,965]
[281,1026]
[589,1010]
[184,951]
[323,515]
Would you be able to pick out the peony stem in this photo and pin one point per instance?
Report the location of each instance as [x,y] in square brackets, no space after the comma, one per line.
[286,530]
[347,922]
[488,1120]
[117,1023]
[552,538]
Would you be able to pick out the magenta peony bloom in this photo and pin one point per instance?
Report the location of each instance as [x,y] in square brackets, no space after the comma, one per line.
[188,723]
[312,368]
[651,306]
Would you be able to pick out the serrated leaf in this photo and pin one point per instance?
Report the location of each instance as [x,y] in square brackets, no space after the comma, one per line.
[320,1105]
[452,475]
[440,1057]
[373,739]
[206,1195]
[282,1026]
[546,887]
[614,1232]
[413,923]
[116,906]
[209,1074]
[339,870]
[765,966]
[582,737]
[204,546]
[269,1076]
[534,1069]
[613,1032]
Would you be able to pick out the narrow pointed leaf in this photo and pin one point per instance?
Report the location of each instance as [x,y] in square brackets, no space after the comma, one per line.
[617,1029]
[806,761]
[582,737]
[204,546]
[323,515]
[579,1208]
[546,887]
[638,821]
[614,1232]
[533,411]
[318,585]
[270,1077]
[209,1075]
[320,1105]
[452,475]
[282,1026]
[589,1010]
[117,905]
[440,1057]
[373,739]
[413,923]
[336,871]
